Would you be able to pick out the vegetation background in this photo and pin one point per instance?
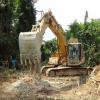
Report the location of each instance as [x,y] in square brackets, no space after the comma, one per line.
[19,15]
[15,16]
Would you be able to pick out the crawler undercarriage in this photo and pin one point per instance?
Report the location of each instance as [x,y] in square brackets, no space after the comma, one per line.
[63,70]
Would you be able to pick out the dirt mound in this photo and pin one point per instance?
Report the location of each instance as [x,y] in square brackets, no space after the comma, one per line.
[90,90]
[26,89]
[27,85]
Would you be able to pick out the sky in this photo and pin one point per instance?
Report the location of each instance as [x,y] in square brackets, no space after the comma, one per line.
[67,11]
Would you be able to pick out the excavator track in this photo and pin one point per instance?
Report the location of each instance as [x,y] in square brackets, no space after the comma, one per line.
[45,68]
[66,71]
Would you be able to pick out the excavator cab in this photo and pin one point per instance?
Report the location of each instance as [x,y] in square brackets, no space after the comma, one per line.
[74,54]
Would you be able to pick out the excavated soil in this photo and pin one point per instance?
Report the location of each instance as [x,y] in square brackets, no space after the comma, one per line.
[51,88]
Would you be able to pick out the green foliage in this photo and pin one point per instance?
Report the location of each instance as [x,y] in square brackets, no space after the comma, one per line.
[74,28]
[47,49]
[5,15]
[15,16]
[89,35]
[26,16]
[86,17]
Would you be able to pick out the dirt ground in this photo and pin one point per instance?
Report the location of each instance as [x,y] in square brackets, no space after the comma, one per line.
[20,86]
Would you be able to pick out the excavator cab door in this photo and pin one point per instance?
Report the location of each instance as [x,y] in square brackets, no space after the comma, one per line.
[74,54]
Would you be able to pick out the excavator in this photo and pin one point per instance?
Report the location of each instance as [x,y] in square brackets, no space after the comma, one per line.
[69,57]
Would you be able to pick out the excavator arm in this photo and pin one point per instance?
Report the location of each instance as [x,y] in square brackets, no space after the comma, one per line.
[49,20]
[61,42]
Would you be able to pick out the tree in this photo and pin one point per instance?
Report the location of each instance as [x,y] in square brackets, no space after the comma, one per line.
[89,35]
[5,16]
[26,16]
[15,16]
[86,17]
[74,28]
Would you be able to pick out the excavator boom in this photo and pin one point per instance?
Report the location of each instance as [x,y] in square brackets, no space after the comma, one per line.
[59,32]
[49,20]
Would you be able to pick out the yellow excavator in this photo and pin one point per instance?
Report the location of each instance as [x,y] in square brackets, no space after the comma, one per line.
[69,56]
